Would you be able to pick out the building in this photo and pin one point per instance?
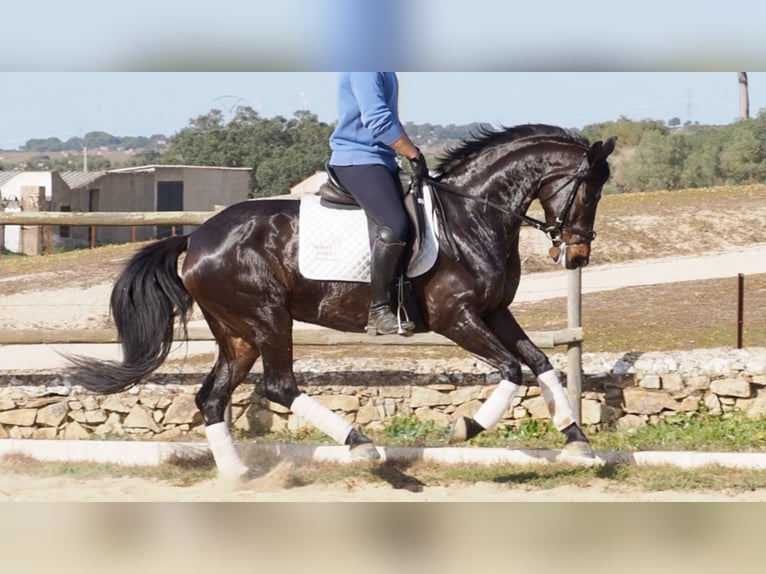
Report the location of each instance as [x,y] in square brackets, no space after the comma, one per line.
[149,188]
[310,185]
[26,190]
[135,189]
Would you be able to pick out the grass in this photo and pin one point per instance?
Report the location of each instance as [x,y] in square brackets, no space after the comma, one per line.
[673,316]
[690,431]
[699,431]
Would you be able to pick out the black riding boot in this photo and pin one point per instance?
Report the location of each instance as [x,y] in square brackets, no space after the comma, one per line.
[384,263]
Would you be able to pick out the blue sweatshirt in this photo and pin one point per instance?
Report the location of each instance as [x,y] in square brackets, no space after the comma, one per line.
[368,119]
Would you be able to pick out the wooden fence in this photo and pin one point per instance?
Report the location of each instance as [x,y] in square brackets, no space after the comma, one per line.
[572,336]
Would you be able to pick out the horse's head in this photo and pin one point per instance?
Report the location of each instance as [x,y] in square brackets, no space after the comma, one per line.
[570,207]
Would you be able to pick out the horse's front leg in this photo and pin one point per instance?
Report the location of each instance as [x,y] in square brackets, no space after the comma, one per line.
[474,335]
[500,340]
[504,324]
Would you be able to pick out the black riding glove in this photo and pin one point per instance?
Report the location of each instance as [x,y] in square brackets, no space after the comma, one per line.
[419,167]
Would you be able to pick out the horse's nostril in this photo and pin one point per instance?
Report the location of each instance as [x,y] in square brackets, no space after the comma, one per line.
[577,261]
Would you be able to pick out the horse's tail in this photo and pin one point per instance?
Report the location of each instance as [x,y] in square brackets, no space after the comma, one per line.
[146,299]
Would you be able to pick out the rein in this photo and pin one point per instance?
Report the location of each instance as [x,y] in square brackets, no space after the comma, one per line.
[552,231]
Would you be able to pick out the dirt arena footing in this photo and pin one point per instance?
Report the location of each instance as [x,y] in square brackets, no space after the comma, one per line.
[134,453]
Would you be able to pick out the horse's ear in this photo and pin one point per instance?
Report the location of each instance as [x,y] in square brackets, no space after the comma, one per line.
[601,150]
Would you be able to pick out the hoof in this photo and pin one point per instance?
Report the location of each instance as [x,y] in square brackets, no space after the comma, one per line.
[361,447]
[464,429]
[364,451]
[251,474]
[579,448]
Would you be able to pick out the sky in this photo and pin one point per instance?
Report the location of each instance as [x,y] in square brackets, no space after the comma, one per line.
[70,104]
[149,67]
[438,35]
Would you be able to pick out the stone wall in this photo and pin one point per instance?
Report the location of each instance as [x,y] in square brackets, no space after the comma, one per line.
[623,390]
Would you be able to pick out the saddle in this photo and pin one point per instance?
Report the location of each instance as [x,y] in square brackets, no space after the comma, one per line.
[334,196]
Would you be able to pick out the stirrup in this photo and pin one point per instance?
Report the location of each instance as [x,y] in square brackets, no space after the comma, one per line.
[381,321]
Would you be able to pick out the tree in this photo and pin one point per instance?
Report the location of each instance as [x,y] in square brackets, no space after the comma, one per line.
[658,161]
[281,152]
[744,96]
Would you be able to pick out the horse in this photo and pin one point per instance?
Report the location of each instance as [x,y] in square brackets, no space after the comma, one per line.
[241,268]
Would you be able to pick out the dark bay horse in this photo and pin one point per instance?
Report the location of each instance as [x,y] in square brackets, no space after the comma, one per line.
[241,268]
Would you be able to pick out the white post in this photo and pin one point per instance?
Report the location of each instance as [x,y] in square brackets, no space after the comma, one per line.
[574,350]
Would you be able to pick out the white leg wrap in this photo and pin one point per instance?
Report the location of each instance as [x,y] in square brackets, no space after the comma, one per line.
[221,444]
[493,409]
[321,417]
[556,399]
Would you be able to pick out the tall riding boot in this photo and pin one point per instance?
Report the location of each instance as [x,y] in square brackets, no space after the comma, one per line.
[384,263]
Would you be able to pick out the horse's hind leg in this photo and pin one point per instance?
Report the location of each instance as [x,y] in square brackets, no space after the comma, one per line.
[235,359]
[276,347]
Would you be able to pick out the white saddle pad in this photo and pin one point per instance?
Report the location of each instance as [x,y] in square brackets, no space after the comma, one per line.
[333,244]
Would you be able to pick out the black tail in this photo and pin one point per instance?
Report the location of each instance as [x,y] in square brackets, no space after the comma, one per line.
[146,299]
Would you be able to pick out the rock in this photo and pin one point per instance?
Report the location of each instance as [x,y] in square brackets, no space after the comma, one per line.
[672,382]
[591,412]
[95,417]
[537,408]
[6,404]
[425,414]
[75,431]
[368,413]
[650,382]
[464,394]
[731,388]
[140,418]
[343,403]
[45,433]
[53,415]
[18,417]
[643,402]
[117,404]
[467,409]
[183,410]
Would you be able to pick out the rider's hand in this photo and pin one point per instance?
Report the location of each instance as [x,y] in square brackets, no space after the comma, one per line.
[419,167]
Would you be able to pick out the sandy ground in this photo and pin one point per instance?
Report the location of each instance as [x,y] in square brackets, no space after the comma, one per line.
[272,489]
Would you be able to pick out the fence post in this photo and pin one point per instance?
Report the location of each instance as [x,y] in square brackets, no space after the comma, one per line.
[740,308]
[574,350]
[32,199]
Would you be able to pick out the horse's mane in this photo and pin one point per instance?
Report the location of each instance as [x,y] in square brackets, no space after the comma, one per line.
[486,136]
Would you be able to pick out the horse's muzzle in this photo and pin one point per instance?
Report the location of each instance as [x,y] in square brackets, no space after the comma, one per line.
[570,256]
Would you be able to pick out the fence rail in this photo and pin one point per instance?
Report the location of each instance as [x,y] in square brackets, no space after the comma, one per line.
[106,218]
[309,336]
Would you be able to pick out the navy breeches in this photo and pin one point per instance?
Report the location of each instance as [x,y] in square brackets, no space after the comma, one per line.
[379,192]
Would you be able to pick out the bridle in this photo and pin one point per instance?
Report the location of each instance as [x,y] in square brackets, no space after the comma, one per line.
[554,232]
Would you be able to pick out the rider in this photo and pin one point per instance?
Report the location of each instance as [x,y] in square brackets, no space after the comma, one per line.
[364,146]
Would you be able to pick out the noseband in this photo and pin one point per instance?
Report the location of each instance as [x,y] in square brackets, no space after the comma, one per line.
[552,231]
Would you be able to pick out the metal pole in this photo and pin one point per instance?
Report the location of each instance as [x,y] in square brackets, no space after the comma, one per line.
[574,350]
[740,308]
